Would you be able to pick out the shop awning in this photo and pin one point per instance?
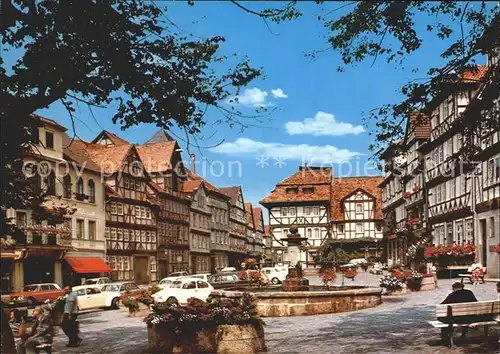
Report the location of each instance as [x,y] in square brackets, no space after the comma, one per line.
[88,265]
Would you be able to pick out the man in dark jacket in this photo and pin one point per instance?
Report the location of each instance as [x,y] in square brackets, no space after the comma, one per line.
[41,332]
[458,295]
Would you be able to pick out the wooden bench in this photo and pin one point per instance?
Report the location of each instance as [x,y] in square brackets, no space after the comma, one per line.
[467,314]
[469,276]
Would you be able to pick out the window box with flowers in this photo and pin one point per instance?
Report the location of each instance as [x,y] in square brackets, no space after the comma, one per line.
[450,255]
[497,248]
[393,285]
[415,189]
[407,194]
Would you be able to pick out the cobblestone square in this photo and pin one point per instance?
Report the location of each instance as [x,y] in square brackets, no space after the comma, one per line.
[399,325]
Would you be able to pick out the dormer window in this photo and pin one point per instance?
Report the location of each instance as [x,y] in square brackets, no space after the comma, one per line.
[292,190]
[308,190]
[49,140]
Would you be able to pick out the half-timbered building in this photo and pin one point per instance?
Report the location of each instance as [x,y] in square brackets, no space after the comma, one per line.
[237,226]
[356,214]
[131,239]
[200,221]
[161,156]
[258,222]
[300,200]
[219,204]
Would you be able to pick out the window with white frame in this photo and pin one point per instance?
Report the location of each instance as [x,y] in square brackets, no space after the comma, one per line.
[359,228]
[284,211]
[359,207]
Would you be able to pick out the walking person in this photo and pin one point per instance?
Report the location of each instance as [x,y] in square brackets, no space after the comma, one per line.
[69,324]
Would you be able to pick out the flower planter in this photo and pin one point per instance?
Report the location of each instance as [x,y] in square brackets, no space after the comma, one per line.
[350,273]
[240,339]
[403,291]
[163,339]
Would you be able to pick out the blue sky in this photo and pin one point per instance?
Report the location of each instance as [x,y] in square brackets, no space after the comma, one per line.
[315,111]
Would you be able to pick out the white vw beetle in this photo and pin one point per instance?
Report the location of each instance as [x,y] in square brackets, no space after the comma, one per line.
[182,289]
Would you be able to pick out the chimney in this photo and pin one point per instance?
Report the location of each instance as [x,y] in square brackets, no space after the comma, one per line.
[192,161]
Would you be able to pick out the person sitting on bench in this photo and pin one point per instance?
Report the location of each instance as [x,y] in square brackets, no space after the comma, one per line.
[476,269]
[458,295]
[41,332]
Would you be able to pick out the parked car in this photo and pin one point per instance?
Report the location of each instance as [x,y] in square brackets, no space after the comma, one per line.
[115,290]
[358,261]
[227,281]
[275,275]
[91,296]
[98,281]
[33,294]
[183,289]
[198,276]
[228,269]
[165,283]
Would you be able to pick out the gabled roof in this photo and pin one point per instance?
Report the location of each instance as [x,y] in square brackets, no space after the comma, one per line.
[231,192]
[191,186]
[318,178]
[161,136]
[249,215]
[266,230]
[157,157]
[474,76]
[78,152]
[50,122]
[115,139]
[111,158]
[420,125]
[209,186]
[309,175]
[344,187]
[257,215]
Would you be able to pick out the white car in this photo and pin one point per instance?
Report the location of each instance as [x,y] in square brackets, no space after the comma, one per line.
[276,275]
[100,282]
[358,261]
[182,289]
[91,296]
[228,269]
[113,291]
[199,276]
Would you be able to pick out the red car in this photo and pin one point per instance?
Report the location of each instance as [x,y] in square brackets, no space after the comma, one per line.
[35,294]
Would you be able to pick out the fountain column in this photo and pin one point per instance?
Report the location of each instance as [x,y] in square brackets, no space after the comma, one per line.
[295,281]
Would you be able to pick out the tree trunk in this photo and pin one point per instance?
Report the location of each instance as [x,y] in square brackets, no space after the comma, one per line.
[8,345]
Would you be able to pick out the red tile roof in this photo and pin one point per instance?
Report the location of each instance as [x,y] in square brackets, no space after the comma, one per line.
[249,215]
[231,192]
[344,187]
[474,76]
[291,189]
[49,122]
[157,157]
[191,186]
[115,139]
[257,213]
[78,152]
[266,230]
[209,186]
[420,125]
[110,159]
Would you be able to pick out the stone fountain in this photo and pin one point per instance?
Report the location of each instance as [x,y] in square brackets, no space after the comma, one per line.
[295,280]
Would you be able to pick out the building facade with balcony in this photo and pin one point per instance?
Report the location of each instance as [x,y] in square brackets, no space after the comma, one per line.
[301,200]
[237,226]
[68,227]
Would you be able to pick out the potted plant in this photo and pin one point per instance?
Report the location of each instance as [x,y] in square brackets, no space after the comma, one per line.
[130,303]
[414,281]
[392,284]
[328,275]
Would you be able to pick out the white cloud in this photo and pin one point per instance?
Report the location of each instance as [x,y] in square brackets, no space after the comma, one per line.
[322,124]
[252,97]
[302,152]
[278,93]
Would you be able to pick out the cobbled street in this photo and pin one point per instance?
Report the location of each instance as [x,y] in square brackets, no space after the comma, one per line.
[399,325]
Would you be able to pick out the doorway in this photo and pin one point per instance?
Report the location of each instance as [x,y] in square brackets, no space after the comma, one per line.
[141,274]
[38,269]
[484,243]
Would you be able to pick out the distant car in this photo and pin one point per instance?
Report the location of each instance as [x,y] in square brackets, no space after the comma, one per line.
[227,281]
[198,276]
[358,261]
[183,289]
[34,294]
[275,275]
[98,281]
[91,296]
[115,290]
[178,274]
[228,269]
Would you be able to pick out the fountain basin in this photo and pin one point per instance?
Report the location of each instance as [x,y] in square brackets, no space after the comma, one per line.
[306,303]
